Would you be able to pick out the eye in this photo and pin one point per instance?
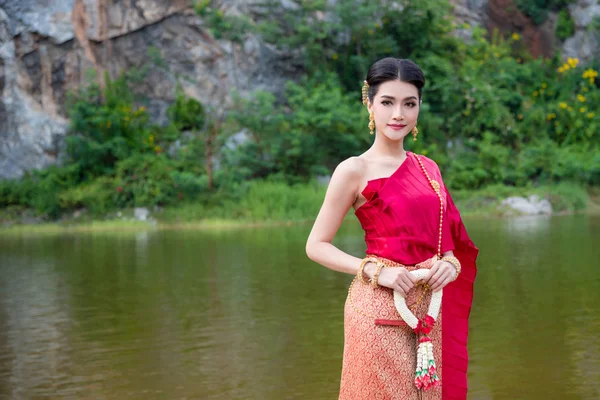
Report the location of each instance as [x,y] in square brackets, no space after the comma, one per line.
[386,102]
[411,104]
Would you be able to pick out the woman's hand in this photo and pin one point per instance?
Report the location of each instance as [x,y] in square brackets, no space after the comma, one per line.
[398,279]
[440,274]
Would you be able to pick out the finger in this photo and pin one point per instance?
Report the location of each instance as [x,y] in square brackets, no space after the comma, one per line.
[433,279]
[406,274]
[408,282]
[401,291]
[405,286]
[434,286]
[439,275]
[437,280]
[439,285]
[434,269]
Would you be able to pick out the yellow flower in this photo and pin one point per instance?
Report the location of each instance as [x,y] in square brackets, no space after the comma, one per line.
[590,115]
[535,94]
[573,62]
[562,105]
[581,98]
[561,69]
[466,26]
[590,74]
[515,36]
[520,116]
[142,109]
[544,86]
[582,109]
[570,108]
[335,56]
[551,116]
[371,31]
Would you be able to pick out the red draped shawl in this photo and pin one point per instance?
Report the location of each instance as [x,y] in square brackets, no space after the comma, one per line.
[401,223]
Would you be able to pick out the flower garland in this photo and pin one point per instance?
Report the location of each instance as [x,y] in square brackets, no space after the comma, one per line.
[426,374]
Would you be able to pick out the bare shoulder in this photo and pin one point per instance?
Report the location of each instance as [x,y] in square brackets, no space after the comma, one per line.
[348,174]
[352,167]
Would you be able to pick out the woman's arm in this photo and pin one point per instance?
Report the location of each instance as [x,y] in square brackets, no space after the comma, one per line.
[341,194]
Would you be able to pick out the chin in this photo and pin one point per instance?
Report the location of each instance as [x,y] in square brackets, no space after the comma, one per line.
[395,136]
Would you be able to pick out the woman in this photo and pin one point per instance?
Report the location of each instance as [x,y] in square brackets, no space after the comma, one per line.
[410,223]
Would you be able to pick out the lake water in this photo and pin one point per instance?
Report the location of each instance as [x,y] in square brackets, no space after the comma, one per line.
[243,313]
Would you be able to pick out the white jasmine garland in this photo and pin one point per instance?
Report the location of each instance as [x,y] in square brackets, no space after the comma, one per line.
[434,305]
[426,372]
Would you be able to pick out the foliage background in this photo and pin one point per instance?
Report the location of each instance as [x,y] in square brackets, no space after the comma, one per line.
[492,116]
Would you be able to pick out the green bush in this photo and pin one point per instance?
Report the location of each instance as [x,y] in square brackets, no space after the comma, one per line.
[186,113]
[491,116]
[145,180]
[98,196]
[106,127]
[537,10]
[566,196]
[498,108]
[318,126]
[565,25]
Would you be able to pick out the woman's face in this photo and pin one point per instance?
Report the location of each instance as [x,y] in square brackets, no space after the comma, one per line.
[396,109]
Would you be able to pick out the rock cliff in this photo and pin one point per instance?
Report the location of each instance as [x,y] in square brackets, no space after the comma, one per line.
[47,48]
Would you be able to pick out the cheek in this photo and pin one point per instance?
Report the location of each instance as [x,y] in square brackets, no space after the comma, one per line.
[412,113]
[382,111]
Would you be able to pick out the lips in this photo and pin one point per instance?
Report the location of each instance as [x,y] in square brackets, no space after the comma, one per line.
[396,126]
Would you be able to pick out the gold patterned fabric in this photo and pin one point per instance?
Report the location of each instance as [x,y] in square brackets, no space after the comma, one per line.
[380,361]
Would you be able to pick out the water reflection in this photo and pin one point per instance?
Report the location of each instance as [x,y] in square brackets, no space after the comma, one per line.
[527,225]
[243,314]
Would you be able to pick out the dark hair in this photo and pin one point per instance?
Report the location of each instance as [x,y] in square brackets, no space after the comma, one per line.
[390,69]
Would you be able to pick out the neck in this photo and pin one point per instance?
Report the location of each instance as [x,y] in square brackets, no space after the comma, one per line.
[385,147]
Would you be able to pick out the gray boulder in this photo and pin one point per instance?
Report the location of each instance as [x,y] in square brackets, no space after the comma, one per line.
[533,205]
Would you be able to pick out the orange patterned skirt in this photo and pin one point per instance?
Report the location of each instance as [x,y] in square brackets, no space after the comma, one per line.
[380,361]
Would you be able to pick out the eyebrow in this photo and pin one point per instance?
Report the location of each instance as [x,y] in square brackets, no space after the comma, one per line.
[393,98]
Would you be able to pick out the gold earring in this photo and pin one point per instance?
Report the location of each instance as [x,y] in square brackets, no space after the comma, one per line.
[415,132]
[371,122]
[365,92]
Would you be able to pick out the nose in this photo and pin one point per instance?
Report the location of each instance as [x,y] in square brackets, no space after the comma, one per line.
[398,113]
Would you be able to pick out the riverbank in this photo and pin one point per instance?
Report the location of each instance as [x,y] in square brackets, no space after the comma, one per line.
[277,204]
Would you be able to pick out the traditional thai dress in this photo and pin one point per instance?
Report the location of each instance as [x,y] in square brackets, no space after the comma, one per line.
[401,220]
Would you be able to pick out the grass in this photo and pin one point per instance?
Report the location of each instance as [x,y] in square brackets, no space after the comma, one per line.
[275,203]
[88,226]
[565,197]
